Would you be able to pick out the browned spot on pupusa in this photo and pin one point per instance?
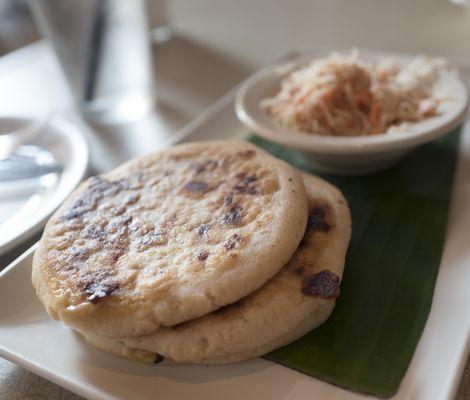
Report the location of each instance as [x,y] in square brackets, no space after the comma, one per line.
[97,284]
[205,166]
[132,198]
[203,229]
[228,199]
[158,358]
[95,232]
[119,248]
[246,184]
[152,238]
[202,256]
[119,224]
[137,180]
[247,153]
[79,254]
[78,209]
[98,188]
[100,290]
[324,284]
[196,187]
[115,211]
[317,218]
[113,238]
[176,157]
[104,216]
[227,160]
[233,242]
[317,221]
[233,216]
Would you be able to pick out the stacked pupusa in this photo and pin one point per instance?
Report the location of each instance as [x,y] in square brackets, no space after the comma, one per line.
[208,252]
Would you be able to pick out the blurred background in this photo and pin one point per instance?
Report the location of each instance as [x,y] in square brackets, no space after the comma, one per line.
[198,51]
[257,31]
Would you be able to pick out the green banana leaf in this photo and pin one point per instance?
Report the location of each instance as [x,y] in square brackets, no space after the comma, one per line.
[399,223]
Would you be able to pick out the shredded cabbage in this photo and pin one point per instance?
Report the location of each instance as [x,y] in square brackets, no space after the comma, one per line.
[346,96]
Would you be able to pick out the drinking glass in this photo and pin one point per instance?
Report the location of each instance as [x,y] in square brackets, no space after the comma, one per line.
[103,47]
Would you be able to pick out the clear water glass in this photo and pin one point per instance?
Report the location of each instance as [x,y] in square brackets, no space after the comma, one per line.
[104,49]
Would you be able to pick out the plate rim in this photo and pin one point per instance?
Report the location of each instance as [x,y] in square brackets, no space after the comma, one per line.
[72,133]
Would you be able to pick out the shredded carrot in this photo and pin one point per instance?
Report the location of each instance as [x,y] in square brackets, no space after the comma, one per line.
[343,95]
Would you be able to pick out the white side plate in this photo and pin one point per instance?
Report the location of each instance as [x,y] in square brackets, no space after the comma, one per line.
[30,338]
[24,214]
[267,82]
[353,155]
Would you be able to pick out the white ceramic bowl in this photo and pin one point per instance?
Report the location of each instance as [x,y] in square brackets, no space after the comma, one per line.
[347,155]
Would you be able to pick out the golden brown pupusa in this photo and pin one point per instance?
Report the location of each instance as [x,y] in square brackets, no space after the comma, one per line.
[169,237]
[296,300]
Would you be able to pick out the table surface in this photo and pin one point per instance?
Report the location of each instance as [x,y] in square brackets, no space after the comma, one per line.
[29,73]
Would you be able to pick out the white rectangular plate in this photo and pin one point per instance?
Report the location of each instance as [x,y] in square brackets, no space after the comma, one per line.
[30,338]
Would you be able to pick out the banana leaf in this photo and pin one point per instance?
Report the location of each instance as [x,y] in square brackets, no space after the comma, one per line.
[399,223]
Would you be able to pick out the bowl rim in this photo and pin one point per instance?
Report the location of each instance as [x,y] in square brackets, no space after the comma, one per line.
[427,130]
